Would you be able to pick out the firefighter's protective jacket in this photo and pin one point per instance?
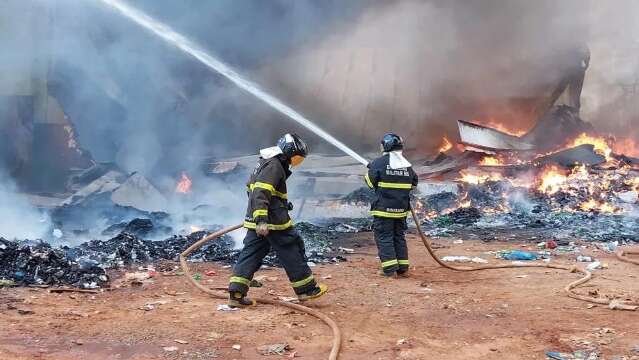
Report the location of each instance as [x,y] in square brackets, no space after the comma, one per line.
[392,188]
[268,201]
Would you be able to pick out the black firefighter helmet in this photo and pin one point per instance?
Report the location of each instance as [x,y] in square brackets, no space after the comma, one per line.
[293,147]
[392,142]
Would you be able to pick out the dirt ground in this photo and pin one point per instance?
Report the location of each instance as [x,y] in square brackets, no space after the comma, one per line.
[435,314]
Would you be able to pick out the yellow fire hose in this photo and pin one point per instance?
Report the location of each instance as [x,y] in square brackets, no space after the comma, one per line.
[613,304]
[337,336]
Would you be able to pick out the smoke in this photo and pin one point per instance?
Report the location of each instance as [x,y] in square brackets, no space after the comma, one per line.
[415,67]
[18,218]
[359,68]
[144,104]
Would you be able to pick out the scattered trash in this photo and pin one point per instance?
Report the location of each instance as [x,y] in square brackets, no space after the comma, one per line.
[171,348]
[25,312]
[237,347]
[551,244]
[346,250]
[183,342]
[594,266]
[4,282]
[582,258]
[616,305]
[458,242]
[521,276]
[516,255]
[225,307]
[137,277]
[577,355]
[456,259]
[274,349]
[288,299]
[197,276]
[401,342]
[478,260]
[210,273]
[327,277]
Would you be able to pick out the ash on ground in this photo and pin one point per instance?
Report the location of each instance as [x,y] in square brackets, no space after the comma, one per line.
[85,266]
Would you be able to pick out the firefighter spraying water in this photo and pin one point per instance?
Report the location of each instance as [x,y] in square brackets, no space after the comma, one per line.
[267,220]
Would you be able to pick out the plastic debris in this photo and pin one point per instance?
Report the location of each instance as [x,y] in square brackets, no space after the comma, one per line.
[594,266]
[582,258]
[516,255]
[4,282]
[456,259]
[274,349]
[225,307]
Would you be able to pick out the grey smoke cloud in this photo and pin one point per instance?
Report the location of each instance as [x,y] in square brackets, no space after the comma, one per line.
[359,68]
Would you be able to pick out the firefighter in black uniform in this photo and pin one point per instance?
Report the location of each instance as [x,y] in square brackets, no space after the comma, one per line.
[269,225]
[392,178]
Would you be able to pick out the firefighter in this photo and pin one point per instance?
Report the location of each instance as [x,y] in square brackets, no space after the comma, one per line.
[269,225]
[392,178]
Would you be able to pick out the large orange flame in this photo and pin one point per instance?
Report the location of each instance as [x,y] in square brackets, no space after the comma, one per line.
[551,180]
[601,144]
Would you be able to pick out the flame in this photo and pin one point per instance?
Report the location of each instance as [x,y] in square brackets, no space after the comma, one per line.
[501,126]
[491,161]
[601,144]
[184,185]
[552,180]
[477,179]
[446,145]
[627,147]
[593,205]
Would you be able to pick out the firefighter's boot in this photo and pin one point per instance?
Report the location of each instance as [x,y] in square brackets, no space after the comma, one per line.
[314,293]
[237,300]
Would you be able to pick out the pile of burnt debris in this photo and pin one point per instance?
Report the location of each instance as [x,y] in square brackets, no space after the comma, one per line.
[591,207]
[36,262]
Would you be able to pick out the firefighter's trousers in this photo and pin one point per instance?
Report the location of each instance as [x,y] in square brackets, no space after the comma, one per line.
[391,244]
[289,248]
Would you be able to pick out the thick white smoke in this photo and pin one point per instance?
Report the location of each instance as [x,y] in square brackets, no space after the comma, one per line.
[18,218]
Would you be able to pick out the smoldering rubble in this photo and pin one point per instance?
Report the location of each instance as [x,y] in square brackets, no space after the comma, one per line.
[29,262]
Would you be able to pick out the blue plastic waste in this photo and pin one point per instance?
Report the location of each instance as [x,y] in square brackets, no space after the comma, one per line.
[518,255]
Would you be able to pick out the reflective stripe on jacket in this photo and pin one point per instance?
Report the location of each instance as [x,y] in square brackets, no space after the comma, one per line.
[267,195]
[392,188]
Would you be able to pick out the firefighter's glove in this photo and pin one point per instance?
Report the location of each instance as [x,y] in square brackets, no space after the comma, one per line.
[289,206]
[262,229]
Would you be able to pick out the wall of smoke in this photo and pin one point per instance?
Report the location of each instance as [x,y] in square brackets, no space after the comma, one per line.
[358,68]
[417,66]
